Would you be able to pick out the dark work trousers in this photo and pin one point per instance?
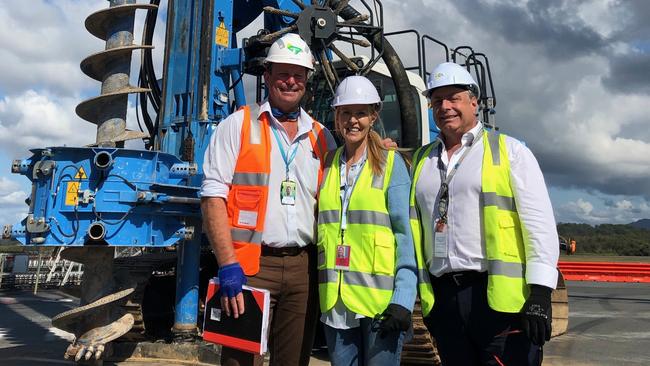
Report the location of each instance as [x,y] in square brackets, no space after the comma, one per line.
[292,281]
[468,332]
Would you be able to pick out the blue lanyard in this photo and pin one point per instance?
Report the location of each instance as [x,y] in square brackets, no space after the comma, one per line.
[289,160]
[348,187]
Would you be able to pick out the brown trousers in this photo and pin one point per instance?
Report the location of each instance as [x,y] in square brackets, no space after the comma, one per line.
[292,282]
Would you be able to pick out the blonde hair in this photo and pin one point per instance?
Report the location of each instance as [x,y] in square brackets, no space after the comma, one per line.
[376,149]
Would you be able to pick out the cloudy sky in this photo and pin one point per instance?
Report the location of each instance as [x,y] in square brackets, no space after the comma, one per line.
[571,76]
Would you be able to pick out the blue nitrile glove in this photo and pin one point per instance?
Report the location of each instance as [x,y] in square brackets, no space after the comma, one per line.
[231,279]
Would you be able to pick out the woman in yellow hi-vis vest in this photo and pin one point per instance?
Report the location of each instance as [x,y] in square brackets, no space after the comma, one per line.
[366,260]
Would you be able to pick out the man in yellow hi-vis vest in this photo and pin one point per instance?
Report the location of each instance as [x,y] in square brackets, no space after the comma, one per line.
[484,232]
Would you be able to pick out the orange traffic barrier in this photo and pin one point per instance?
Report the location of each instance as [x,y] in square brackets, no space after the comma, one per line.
[605,271]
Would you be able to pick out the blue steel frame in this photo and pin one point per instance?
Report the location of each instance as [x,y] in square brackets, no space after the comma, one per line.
[195,101]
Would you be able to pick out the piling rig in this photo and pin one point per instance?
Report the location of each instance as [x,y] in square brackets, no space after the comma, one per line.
[95,199]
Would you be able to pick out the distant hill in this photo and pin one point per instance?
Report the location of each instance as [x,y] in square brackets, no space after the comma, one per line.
[608,239]
[641,224]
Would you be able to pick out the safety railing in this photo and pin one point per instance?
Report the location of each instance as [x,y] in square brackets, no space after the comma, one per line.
[605,271]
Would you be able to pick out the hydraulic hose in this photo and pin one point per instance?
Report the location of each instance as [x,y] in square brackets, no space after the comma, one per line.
[408,112]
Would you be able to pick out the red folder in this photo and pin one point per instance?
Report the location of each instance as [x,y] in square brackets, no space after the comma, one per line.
[249,332]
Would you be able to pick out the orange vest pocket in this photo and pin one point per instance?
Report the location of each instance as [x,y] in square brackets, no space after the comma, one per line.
[246,203]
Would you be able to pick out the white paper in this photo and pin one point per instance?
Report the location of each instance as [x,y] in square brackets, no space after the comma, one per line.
[215,314]
[265,317]
[247,218]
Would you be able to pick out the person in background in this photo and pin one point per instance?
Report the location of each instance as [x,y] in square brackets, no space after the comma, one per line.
[258,199]
[366,261]
[486,240]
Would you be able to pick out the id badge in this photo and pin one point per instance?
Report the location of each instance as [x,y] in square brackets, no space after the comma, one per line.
[440,240]
[342,257]
[288,192]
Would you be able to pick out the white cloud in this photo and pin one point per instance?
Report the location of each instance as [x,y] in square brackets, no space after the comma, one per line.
[624,205]
[12,202]
[13,199]
[584,134]
[622,211]
[601,15]
[7,186]
[36,120]
[42,44]
[579,210]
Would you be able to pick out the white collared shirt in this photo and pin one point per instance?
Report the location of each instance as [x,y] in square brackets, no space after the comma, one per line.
[284,225]
[465,242]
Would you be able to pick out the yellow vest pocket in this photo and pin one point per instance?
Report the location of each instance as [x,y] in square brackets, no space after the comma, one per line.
[384,254]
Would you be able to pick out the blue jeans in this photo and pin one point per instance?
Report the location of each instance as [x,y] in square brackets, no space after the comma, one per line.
[363,346]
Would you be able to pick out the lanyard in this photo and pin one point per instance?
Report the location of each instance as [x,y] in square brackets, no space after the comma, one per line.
[347,187]
[443,202]
[292,154]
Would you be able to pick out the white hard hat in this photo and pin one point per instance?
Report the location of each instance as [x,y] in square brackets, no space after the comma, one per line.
[290,49]
[449,73]
[356,90]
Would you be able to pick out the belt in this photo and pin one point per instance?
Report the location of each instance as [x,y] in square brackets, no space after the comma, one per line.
[282,252]
[458,279]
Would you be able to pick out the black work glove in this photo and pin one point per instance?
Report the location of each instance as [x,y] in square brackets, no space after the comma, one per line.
[536,315]
[394,319]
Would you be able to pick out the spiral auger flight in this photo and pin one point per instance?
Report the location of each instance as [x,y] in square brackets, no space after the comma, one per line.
[112,68]
[101,318]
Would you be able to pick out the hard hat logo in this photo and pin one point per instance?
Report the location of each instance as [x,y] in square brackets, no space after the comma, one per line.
[295,49]
[438,75]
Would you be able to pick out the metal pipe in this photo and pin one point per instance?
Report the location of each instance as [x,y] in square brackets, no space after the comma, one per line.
[96,231]
[103,160]
[183,200]
[187,288]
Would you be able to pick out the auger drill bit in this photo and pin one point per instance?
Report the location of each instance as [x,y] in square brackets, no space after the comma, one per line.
[100,318]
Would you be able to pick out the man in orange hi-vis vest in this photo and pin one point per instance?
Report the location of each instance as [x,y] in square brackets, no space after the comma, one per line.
[262,170]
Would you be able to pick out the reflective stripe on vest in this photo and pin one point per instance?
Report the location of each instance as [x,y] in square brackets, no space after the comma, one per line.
[425,290]
[504,244]
[248,196]
[507,289]
[366,288]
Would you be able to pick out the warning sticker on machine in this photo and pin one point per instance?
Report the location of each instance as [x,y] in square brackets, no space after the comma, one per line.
[81,174]
[72,193]
[223,36]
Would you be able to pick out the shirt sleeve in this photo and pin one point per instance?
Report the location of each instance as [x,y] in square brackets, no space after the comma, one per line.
[398,210]
[329,139]
[221,157]
[536,215]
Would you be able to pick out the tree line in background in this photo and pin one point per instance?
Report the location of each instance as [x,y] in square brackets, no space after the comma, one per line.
[608,239]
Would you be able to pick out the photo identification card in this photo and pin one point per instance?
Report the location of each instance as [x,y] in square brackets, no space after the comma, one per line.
[440,240]
[288,193]
[342,257]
